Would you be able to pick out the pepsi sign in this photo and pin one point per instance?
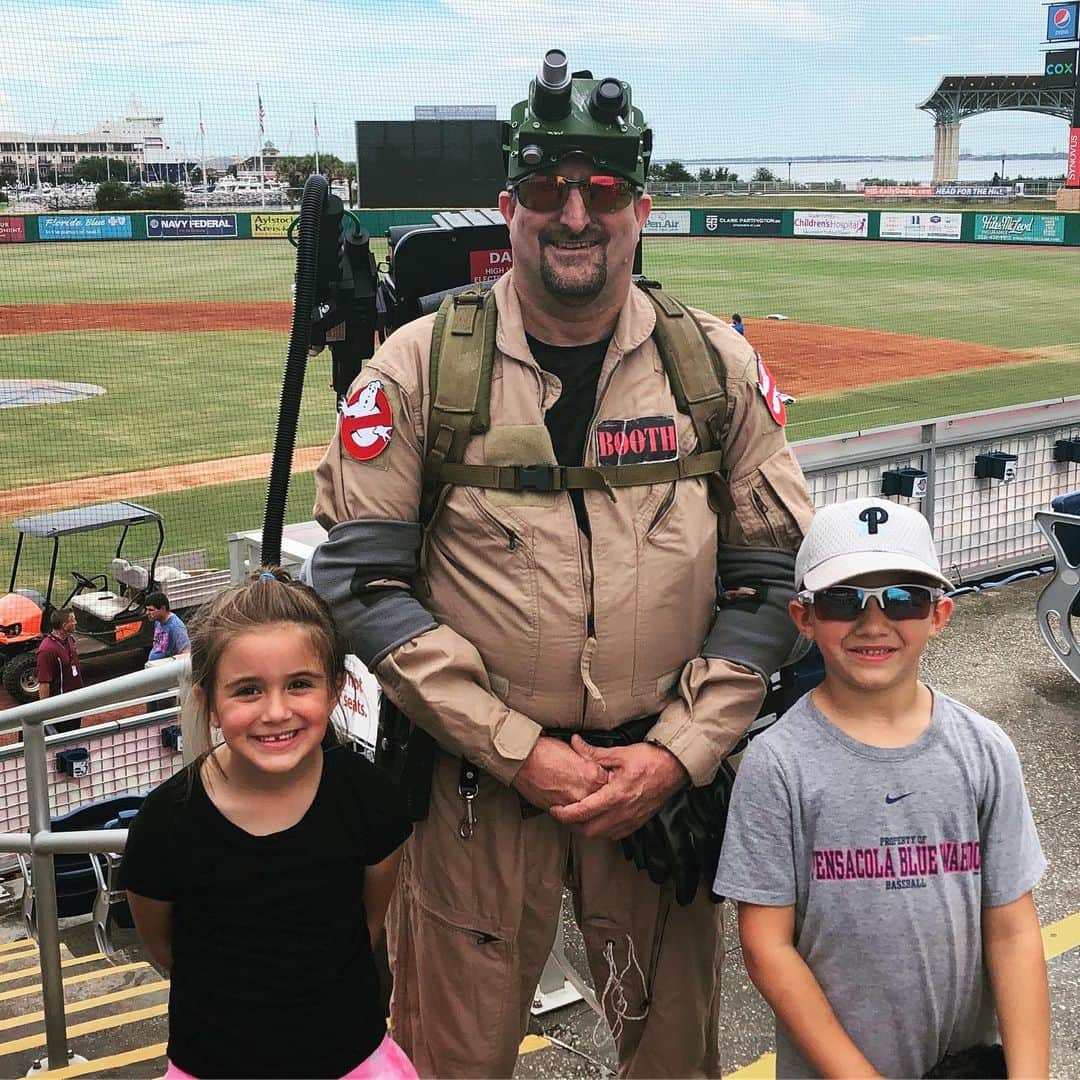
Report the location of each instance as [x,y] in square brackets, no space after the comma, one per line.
[1061,22]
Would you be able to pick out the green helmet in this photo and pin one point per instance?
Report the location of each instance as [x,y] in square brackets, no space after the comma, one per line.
[576,114]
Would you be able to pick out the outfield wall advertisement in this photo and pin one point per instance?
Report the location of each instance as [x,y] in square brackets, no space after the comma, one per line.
[923,226]
[190,226]
[745,223]
[12,230]
[266,226]
[960,226]
[84,227]
[852,226]
[1021,228]
[668,223]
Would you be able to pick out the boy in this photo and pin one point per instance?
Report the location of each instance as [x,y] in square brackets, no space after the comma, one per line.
[879,843]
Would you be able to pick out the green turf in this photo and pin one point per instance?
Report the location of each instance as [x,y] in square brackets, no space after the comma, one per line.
[929,398]
[170,398]
[1012,298]
[199,518]
[188,397]
[82,273]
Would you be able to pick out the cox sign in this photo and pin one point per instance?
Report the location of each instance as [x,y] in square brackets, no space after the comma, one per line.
[1061,67]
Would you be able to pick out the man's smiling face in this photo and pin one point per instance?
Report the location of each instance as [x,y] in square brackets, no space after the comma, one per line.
[574,253]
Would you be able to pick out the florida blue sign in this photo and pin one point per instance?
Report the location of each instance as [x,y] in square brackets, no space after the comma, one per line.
[189,226]
[84,227]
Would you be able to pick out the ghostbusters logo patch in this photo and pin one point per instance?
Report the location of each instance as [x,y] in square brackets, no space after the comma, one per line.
[367,422]
[631,442]
[774,399]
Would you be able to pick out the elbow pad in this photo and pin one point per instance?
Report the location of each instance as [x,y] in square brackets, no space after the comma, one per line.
[752,626]
[363,571]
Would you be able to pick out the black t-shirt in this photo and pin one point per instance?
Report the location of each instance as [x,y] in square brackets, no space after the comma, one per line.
[578,369]
[273,974]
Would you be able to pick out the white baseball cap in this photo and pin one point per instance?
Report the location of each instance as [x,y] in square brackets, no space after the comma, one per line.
[865,536]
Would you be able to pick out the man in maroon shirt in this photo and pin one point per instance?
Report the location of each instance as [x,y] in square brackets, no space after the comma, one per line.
[58,663]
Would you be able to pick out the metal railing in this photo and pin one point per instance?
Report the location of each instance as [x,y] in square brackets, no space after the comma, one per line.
[41,843]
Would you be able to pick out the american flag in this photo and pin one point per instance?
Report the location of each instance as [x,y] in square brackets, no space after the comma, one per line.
[316,117]
[202,130]
[262,113]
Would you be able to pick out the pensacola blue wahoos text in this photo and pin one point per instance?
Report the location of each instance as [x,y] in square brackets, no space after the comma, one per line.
[899,861]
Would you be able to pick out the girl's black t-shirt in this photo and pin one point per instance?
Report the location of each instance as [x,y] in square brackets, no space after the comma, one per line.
[273,973]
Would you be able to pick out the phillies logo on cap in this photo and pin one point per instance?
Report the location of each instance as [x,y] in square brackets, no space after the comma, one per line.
[367,422]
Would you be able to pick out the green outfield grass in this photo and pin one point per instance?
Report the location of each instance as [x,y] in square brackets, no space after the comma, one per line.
[924,399]
[170,398]
[96,273]
[199,518]
[1013,298]
[186,397]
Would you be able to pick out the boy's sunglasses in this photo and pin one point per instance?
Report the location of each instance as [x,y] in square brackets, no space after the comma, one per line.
[602,194]
[844,603]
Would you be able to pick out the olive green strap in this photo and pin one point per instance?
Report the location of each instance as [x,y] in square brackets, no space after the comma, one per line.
[594,478]
[462,355]
[692,366]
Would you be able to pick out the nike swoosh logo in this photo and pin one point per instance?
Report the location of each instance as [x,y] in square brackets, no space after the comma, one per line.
[890,799]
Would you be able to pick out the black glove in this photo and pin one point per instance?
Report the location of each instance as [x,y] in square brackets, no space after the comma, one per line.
[682,842]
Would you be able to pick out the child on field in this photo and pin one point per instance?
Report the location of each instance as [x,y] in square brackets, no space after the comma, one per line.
[259,876]
[879,842]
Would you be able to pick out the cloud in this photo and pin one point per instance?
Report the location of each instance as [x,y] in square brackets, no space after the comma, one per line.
[925,39]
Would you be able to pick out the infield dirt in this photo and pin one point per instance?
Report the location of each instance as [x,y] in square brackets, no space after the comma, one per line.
[805,359]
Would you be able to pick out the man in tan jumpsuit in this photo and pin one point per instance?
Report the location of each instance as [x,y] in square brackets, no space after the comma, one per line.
[517,613]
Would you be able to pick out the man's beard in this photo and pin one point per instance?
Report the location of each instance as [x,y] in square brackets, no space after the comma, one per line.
[573,288]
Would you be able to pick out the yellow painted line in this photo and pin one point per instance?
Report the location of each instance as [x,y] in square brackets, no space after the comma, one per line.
[21,943]
[1061,936]
[87,1003]
[89,1027]
[531,1043]
[115,1061]
[35,988]
[35,969]
[22,955]
[762,1069]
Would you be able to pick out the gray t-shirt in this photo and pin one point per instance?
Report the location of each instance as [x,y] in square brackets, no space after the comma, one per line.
[888,856]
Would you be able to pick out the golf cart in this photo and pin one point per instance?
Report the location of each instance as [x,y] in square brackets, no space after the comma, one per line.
[110,615]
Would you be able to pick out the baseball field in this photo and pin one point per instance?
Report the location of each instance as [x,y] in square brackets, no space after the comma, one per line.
[188,340]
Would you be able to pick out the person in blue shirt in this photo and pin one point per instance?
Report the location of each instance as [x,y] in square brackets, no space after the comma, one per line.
[170,633]
[737,324]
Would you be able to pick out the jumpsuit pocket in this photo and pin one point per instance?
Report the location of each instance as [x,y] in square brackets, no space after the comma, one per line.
[676,587]
[466,988]
[771,504]
[480,560]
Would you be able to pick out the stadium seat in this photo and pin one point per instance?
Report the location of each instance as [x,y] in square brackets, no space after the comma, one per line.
[80,879]
[1058,607]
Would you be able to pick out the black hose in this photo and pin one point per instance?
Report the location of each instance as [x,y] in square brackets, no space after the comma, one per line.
[312,204]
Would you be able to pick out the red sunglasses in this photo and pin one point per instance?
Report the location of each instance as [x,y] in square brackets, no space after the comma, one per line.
[602,194]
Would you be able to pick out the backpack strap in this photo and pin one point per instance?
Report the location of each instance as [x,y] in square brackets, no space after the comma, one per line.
[462,356]
[694,368]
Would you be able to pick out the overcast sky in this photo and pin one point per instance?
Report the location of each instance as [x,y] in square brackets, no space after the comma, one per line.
[715,78]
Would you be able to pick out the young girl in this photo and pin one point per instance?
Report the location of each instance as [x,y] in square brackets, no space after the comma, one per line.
[259,875]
